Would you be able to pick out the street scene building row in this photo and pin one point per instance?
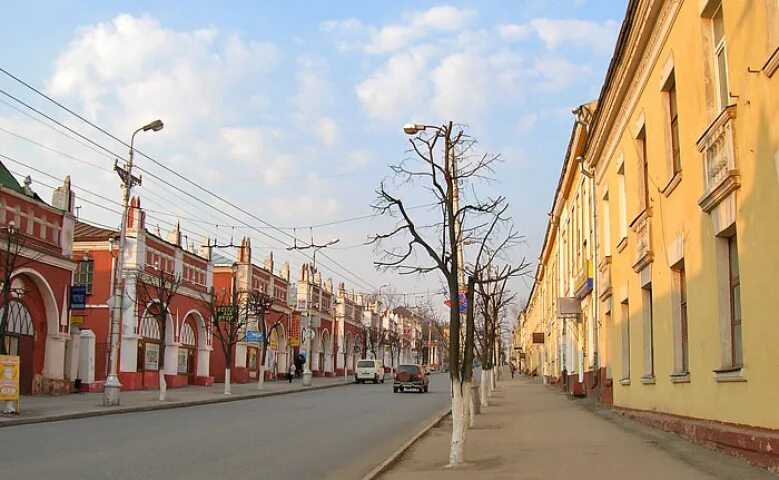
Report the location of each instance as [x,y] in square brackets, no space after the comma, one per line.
[64,339]
[655,283]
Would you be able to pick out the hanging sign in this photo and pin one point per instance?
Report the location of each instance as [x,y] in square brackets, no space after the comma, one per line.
[294,330]
[78,296]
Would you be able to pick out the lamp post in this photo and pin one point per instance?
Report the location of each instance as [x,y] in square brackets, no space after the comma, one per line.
[112,385]
[307,365]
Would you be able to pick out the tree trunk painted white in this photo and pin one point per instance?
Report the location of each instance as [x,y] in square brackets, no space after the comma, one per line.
[227,381]
[494,378]
[163,385]
[471,405]
[484,387]
[261,378]
[457,447]
[490,381]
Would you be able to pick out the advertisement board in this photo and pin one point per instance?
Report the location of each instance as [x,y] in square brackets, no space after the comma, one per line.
[9,377]
[294,330]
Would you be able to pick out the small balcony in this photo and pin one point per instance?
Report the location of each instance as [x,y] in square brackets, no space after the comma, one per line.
[718,149]
[642,230]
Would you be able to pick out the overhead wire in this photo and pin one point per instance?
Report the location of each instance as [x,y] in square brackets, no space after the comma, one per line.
[345,271]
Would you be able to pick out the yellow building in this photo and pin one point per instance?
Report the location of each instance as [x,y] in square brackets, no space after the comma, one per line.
[684,148]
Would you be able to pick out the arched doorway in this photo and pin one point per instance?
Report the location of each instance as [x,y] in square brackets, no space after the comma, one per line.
[187,351]
[149,347]
[348,353]
[19,340]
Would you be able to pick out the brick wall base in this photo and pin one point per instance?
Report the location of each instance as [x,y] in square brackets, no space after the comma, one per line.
[756,445]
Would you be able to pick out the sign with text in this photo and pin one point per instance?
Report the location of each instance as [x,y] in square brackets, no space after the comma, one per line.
[78,296]
[225,312]
[77,320]
[294,330]
[254,337]
[9,377]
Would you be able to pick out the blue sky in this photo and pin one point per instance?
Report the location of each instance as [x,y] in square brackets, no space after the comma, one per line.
[294,109]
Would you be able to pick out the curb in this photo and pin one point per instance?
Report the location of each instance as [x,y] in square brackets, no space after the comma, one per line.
[395,456]
[162,406]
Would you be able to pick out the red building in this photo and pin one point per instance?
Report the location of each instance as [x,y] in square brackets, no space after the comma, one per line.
[244,276]
[315,303]
[35,243]
[147,256]
[348,320]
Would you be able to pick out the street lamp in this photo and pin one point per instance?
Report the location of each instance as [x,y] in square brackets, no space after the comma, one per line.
[112,385]
[307,365]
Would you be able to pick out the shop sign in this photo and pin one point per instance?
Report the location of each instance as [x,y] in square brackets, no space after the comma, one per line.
[152,360]
[77,320]
[78,296]
[294,330]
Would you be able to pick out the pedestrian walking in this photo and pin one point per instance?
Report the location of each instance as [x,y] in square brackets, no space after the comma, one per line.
[513,368]
[291,372]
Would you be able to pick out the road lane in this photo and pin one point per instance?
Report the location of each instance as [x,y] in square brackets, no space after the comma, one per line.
[337,433]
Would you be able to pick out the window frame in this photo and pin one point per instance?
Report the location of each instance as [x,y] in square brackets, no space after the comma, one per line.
[720,47]
[734,284]
[85,279]
[685,328]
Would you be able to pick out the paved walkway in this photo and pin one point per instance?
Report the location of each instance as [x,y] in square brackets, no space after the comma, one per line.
[41,408]
[531,431]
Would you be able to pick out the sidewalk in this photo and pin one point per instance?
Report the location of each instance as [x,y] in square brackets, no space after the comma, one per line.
[47,408]
[531,431]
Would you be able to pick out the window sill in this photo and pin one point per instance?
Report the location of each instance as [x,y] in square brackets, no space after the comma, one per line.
[672,184]
[680,377]
[648,380]
[625,381]
[734,374]
[622,244]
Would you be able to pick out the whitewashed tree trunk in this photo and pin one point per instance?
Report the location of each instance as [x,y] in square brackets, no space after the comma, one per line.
[163,385]
[471,405]
[490,382]
[484,387]
[227,381]
[494,378]
[261,379]
[459,407]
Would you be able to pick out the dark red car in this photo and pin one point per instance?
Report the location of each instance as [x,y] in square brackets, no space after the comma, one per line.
[410,376]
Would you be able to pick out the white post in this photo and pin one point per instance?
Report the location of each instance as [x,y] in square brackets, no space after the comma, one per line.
[227,381]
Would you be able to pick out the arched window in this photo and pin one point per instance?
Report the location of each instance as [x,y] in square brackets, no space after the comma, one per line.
[187,336]
[149,345]
[19,323]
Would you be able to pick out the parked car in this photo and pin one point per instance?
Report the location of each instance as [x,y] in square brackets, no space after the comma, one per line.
[369,370]
[410,376]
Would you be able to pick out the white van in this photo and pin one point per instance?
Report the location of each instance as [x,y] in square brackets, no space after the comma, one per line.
[369,370]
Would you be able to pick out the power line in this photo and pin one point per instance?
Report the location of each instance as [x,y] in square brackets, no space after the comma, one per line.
[346,271]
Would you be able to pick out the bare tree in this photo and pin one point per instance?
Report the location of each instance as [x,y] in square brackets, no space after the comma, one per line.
[493,298]
[259,303]
[374,338]
[228,319]
[433,241]
[158,289]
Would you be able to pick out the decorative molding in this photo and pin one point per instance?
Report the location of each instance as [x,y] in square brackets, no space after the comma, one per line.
[729,184]
[680,377]
[717,146]
[604,278]
[736,374]
[642,229]
[625,381]
[672,184]
[772,64]
[648,379]
[622,244]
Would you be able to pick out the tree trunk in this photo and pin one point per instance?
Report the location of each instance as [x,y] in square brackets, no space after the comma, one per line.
[459,407]
[261,379]
[227,381]
[163,384]
[471,402]
[484,387]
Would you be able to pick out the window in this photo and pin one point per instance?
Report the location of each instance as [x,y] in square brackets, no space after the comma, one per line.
[685,349]
[84,274]
[643,170]
[625,319]
[720,56]
[735,303]
[605,214]
[673,123]
[649,344]
[621,203]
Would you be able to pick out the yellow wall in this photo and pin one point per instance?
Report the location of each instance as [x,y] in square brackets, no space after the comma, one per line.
[678,215]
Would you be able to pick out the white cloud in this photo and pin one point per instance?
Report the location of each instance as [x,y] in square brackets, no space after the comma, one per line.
[418,26]
[327,131]
[582,33]
[314,93]
[527,123]
[150,71]
[358,159]
[255,150]
[461,83]
[398,87]
[513,32]
[558,73]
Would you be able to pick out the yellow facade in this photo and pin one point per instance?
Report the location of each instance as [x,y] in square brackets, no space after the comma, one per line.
[688,110]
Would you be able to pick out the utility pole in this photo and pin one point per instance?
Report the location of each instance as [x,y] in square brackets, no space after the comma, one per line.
[307,365]
[112,386]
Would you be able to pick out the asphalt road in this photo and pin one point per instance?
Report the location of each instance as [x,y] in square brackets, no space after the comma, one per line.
[337,433]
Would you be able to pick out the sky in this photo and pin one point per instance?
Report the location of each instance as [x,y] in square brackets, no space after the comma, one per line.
[293,111]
